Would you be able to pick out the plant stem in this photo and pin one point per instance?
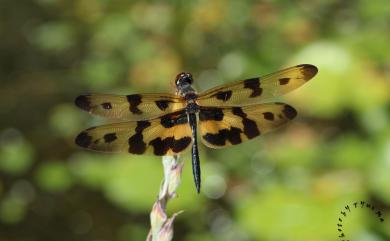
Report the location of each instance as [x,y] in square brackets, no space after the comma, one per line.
[161,225]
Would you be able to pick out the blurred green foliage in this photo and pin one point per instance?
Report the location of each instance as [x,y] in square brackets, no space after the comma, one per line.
[288,185]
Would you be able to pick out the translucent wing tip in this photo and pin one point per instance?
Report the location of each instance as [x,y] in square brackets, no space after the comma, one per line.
[308,70]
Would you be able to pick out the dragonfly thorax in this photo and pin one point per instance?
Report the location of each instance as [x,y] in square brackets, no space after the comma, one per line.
[192,108]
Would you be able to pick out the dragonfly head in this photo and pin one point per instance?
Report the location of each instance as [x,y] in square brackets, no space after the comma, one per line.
[183,83]
[184,79]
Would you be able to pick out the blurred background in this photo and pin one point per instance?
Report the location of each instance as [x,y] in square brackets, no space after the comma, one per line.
[288,185]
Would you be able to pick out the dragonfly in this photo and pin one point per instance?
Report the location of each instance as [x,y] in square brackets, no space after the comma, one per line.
[167,124]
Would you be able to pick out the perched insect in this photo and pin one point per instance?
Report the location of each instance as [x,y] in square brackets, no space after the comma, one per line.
[166,124]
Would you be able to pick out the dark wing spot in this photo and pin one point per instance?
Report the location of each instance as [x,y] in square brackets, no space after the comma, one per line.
[238,111]
[142,125]
[289,112]
[284,81]
[134,101]
[161,147]
[215,114]
[234,135]
[83,102]
[308,70]
[254,85]
[107,105]
[269,116]
[167,121]
[181,144]
[220,138]
[162,104]
[223,95]
[173,119]
[182,119]
[250,126]
[110,137]
[83,139]
[136,142]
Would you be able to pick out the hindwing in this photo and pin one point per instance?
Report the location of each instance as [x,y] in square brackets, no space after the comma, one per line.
[167,135]
[226,126]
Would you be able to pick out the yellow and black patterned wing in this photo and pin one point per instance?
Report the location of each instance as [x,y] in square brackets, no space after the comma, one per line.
[166,135]
[221,127]
[130,107]
[255,90]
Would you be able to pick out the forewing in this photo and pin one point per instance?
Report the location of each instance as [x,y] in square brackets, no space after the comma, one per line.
[130,107]
[221,127]
[255,90]
[166,135]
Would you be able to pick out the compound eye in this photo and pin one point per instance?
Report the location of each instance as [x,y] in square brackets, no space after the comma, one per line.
[179,78]
[188,78]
